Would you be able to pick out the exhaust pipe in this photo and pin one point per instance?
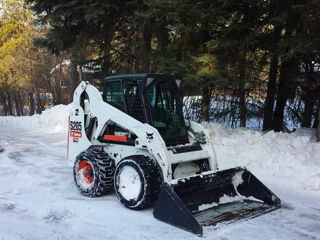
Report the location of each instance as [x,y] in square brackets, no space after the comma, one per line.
[213,197]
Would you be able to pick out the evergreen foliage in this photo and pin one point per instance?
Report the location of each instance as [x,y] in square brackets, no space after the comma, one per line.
[257,58]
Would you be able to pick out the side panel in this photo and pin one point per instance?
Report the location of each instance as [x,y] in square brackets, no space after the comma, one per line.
[119,151]
[77,139]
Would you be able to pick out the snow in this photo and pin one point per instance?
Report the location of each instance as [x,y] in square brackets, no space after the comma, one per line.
[38,198]
[53,119]
[291,160]
[207,206]
[135,189]
[237,180]
[129,183]
[228,199]
[83,180]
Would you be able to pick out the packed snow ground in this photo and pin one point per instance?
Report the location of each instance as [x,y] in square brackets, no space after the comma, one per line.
[38,199]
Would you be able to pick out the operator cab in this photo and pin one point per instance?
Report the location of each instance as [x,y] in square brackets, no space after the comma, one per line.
[150,98]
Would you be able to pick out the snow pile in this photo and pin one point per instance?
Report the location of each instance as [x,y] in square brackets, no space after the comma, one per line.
[237,180]
[54,119]
[291,160]
[206,206]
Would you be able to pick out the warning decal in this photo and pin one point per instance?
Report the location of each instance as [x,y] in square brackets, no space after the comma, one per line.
[75,130]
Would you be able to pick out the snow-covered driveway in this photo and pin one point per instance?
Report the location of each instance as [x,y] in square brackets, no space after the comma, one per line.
[38,200]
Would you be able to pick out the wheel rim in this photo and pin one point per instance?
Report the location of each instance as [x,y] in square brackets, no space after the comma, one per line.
[85,174]
[129,183]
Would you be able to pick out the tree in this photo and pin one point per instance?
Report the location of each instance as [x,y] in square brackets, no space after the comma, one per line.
[318,128]
[88,30]
[24,69]
[14,37]
[248,53]
[238,28]
[272,40]
[300,40]
[183,46]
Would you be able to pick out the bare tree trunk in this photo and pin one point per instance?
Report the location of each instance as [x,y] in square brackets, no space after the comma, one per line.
[286,83]
[40,107]
[146,48]
[277,122]
[54,98]
[318,128]
[272,83]
[10,107]
[286,88]
[56,88]
[16,102]
[31,103]
[242,93]
[74,77]
[21,104]
[4,104]
[271,92]
[242,105]
[307,113]
[205,103]
[315,122]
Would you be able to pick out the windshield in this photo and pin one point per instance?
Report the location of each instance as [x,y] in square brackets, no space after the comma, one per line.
[164,100]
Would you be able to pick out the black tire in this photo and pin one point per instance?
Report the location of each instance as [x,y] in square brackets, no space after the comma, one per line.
[150,181]
[99,179]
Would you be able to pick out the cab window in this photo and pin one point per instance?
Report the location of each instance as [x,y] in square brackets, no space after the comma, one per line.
[114,95]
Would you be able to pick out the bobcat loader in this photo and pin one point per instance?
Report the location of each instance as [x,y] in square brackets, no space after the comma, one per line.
[133,139]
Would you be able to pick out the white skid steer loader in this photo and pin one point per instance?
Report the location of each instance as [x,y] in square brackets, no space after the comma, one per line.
[134,139]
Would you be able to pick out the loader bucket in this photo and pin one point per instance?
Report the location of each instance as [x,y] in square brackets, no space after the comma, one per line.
[215,197]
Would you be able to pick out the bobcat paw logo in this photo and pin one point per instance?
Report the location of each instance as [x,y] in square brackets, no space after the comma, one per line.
[149,136]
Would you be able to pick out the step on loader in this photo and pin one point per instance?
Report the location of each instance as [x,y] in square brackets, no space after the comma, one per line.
[133,139]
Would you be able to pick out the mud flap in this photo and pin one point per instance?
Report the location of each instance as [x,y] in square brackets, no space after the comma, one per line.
[211,198]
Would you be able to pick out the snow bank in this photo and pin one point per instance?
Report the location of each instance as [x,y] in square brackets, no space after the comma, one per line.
[291,160]
[54,119]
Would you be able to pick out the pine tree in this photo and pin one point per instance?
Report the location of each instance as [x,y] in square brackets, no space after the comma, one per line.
[299,40]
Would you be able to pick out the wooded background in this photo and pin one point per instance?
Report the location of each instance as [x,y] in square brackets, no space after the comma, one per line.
[246,59]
